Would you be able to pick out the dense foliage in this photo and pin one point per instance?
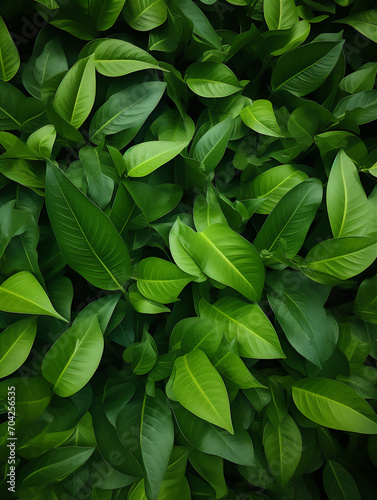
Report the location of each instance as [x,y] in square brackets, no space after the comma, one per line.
[188,235]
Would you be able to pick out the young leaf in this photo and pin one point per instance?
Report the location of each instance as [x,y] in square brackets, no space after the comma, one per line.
[22,294]
[347,204]
[212,79]
[160,280]
[143,159]
[260,117]
[197,386]
[75,95]
[144,15]
[280,14]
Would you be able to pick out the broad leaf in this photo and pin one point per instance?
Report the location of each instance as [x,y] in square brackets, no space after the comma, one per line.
[339,483]
[346,200]
[212,80]
[335,405]
[142,159]
[9,57]
[75,95]
[73,359]
[99,253]
[16,342]
[197,386]
[247,324]
[22,294]
[260,117]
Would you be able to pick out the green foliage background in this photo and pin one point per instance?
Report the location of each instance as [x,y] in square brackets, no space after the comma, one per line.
[188,235]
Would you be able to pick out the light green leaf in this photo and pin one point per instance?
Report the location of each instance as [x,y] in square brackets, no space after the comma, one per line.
[260,117]
[161,280]
[142,355]
[73,359]
[335,405]
[207,210]
[118,58]
[340,258]
[75,95]
[42,141]
[143,305]
[360,80]
[22,294]
[198,387]
[144,158]
[280,14]
[211,147]
[273,184]
[145,15]
[227,257]
[211,79]
[362,106]
[347,204]
[248,324]
[98,251]
[9,57]
[16,342]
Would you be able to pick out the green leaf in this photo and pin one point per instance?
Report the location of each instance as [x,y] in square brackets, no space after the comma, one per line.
[142,355]
[212,79]
[105,265]
[200,24]
[161,280]
[211,468]
[16,342]
[366,300]
[100,186]
[360,80]
[75,356]
[347,204]
[307,325]
[260,117]
[105,12]
[246,323]
[339,483]
[280,14]
[340,258]
[291,218]
[42,141]
[143,305]
[227,257]
[273,184]
[306,68]
[12,223]
[143,159]
[197,386]
[22,294]
[211,147]
[362,106]
[207,210]
[156,441]
[209,438]
[335,405]
[365,22]
[125,109]
[54,465]
[9,57]
[75,95]
[144,15]
[118,58]
[283,446]
[196,333]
